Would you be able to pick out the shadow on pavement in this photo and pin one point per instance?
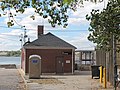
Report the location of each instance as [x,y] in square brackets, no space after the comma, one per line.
[8,66]
[82,72]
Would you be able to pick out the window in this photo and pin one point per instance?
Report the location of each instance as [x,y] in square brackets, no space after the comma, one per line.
[67,53]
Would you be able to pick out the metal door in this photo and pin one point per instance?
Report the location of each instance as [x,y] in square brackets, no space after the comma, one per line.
[59,65]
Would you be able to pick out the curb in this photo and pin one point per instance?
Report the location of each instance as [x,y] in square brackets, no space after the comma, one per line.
[22,76]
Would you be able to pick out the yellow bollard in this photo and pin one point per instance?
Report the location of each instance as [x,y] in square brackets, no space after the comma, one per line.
[101,72]
[104,78]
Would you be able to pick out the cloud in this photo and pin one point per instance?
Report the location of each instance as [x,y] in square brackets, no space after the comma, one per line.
[79,40]
[8,43]
[79,16]
[77,21]
[10,46]
[10,39]
[14,32]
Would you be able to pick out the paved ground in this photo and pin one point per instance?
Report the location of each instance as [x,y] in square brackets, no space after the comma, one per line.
[80,81]
[10,79]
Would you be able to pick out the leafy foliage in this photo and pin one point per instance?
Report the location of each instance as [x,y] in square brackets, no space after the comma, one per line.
[54,10]
[105,24]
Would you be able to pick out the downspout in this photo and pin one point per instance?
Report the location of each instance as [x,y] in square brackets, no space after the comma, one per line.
[72,61]
[25,60]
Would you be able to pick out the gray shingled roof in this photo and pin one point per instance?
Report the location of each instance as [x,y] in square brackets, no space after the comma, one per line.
[50,40]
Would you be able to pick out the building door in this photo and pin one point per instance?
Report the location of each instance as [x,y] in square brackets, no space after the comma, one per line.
[59,65]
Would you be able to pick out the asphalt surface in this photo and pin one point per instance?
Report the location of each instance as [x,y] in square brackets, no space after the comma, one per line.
[10,79]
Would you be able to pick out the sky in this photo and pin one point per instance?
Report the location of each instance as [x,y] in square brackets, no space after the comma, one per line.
[76,32]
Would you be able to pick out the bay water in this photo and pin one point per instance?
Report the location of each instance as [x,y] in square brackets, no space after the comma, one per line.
[10,60]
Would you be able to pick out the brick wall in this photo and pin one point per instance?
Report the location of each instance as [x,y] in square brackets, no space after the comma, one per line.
[48,56]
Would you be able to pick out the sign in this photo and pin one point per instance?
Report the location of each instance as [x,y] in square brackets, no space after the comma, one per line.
[34,61]
[67,61]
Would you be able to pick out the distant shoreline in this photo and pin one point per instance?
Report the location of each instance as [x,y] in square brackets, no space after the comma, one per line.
[10,53]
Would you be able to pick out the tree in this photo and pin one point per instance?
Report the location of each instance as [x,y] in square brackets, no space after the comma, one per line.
[13,53]
[54,10]
[105,24]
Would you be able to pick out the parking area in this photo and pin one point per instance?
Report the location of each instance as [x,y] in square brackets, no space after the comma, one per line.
[12,79]
[79,81]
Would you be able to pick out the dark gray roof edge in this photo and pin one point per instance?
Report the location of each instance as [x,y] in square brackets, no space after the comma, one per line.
[62,40]
[43,47]
[32,43]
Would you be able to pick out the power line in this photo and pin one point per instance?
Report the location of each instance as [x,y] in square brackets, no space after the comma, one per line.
[55,30]
[8,39]
[9,34]
[10,27]
[67,30]
[21,37]
[58,30]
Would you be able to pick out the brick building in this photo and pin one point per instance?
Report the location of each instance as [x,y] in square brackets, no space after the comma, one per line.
[57,55]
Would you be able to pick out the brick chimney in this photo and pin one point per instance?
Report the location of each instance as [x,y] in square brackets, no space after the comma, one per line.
[40,30]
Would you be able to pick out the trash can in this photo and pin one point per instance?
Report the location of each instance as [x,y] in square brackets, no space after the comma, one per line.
[76,67]
[95,71]
[34,66]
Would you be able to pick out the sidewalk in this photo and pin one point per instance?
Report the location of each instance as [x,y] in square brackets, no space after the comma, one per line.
[79,81]
[10,79]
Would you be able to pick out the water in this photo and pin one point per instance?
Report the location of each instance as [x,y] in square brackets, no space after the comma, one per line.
[10,60]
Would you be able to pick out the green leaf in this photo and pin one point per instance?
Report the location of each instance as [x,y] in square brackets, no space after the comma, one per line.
[65,25]
[44,16]
[21,10]
[6,0]
[67,1]
[33,17]
[33,1]
[9,24]
[40,13]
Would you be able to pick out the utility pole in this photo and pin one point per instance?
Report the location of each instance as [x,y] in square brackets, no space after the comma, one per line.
[21,37]
[25,36]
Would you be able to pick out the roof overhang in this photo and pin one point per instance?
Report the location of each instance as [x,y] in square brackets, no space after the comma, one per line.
[84,50]
[43,47]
